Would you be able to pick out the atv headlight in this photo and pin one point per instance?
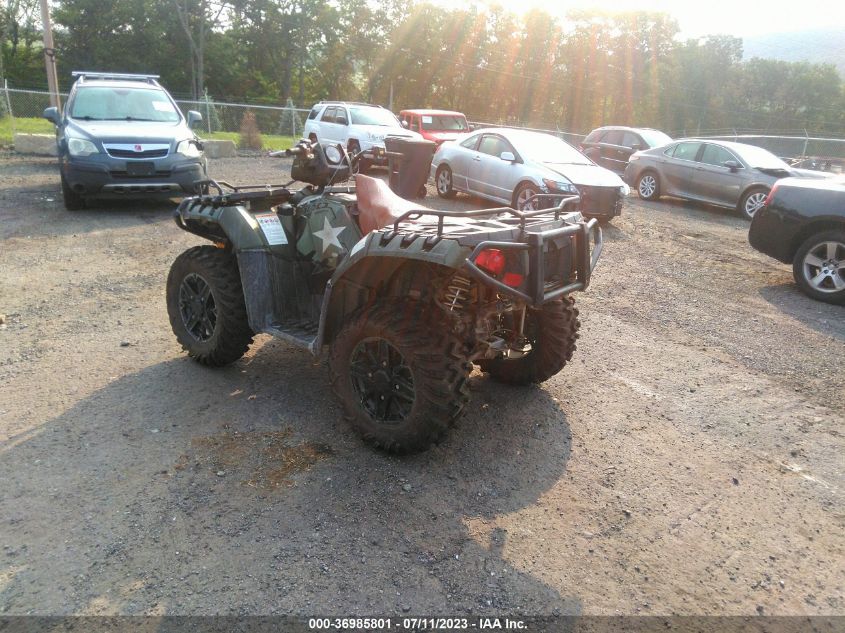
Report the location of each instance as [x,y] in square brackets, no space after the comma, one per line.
[557,185]
[81,147]
[189,149]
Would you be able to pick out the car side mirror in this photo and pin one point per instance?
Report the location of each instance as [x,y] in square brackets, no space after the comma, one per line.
[732,165]
[193,117]
[405,124]
[637,147]
[508,156]
[52,115]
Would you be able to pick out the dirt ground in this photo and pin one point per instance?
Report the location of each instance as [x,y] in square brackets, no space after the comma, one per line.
[688,461]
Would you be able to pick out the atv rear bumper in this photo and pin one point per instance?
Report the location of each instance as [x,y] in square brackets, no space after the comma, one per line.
[537,290]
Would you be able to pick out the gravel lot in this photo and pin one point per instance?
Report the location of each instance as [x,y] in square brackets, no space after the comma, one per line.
[688,461]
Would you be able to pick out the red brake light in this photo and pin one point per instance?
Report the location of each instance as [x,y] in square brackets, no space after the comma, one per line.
[514,280]
[491,260]
[768,199]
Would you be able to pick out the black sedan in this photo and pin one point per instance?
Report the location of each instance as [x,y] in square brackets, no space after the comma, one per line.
[803,223]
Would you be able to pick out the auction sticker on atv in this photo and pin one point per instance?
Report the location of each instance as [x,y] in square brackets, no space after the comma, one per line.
[272,228]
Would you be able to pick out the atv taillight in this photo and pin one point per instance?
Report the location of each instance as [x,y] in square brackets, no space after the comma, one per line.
[492,260]
[514,280]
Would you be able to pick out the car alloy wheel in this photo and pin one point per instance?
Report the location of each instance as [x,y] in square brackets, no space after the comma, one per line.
[444,182]
[823,267]
[753,202]
[524,201]
[647,186]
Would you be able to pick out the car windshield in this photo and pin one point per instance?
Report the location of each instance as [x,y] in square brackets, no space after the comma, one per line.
[759,157]
[373,116]
[107,103]
[655,138]
[545,148]
[444,122]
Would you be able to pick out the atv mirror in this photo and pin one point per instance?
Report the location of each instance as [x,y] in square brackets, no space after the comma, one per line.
[333,154]
[508,156]
[193,117]
[52,115]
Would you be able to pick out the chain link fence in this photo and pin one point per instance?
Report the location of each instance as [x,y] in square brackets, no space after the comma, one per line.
[21,110]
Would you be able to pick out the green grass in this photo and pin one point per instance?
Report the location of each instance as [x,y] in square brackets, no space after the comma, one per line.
[270,141]
[42,126]
[23,126]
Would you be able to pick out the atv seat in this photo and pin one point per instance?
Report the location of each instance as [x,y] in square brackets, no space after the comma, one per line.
[378,206]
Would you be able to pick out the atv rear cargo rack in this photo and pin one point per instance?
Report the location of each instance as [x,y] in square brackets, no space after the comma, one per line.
[522,216]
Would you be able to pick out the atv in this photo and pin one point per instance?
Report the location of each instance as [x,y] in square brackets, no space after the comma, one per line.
[404,297]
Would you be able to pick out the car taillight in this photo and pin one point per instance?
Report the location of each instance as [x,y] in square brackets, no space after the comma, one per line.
[491,260]
[768,199]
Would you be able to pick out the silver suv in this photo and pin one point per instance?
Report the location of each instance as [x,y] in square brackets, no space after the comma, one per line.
[357,126]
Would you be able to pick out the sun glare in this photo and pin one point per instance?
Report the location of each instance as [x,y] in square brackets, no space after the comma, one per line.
[695,18]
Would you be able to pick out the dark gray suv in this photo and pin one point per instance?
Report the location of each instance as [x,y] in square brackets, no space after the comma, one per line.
[611,146]
[123,136]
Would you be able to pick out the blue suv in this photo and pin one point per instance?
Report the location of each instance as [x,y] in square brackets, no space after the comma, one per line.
[123,136]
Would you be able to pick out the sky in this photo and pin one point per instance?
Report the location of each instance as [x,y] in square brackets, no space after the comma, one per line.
[741,18]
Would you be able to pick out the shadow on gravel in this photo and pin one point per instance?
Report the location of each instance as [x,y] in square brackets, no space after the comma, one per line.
[822,317]
[39,213]
[708,213]
[184,490]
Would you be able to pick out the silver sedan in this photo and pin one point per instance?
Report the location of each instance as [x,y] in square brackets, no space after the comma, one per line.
[513,166]
[727,174]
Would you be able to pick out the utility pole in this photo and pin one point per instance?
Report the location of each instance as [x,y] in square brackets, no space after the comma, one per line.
[50,56]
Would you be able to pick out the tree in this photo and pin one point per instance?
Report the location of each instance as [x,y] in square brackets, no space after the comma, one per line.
[20,48]
[197,18]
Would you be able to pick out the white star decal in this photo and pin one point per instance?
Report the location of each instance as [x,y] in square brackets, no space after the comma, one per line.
[328,235]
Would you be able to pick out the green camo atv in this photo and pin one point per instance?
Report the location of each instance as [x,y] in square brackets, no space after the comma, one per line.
[405,297]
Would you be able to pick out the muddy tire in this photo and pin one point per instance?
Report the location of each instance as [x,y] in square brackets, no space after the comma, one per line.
[553,331]
[205,303]
[400,376]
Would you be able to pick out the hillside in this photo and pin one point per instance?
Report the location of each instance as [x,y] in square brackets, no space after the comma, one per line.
[823,46]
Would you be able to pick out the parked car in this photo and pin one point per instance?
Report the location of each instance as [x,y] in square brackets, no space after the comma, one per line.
[612,145]
[435,125]
[723,173]
[123,136]
[803,223]
[511,166]
[357,126]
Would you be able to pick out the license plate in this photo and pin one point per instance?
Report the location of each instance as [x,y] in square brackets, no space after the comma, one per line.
[140,168]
